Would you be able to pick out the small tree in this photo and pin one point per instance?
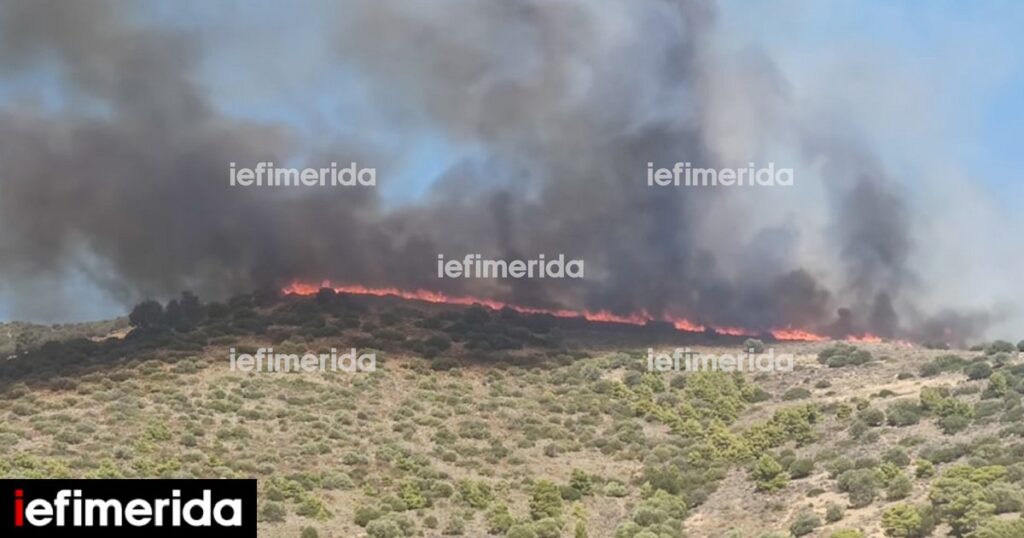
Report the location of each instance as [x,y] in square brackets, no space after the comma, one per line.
[960,501]
[546,500]
[753,345]
[173,316]
[191,308]
[898,488]
[998,386]
[906,521]
[498,519]
[1000,528]
[581,482]
[148,313]
[978,370]
[860,485]
[924,469]
[768,474]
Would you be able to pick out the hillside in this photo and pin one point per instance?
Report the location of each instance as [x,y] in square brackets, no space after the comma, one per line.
[492,423]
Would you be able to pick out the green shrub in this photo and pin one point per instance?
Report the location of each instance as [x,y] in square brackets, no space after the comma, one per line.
[615,489]
[903,413]
[475,493]
[1000,528]
[753,345]
[999,346]
[906,521]
[661,513]
[860,484]
[899,487]
[941,364]
[978,370]
[383,528]
[804,524]
[456,526]
[390,526]
[959,497]
[796,393]
[521,531]
[312,507]
[800,468]
[365,514]
[834,512]
[498,519]
[896,456]
[953,424]
[581,482]
[872,416]
[548,527]
[998,386]
[545,500]
[411,495]
[272,512]
[925,469]
[841,355]
[768,474]
[1007,498]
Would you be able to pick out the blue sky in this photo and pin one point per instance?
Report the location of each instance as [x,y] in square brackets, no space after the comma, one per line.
[969,56]
[961,63]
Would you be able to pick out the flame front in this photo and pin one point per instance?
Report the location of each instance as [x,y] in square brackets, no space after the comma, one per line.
[600,316]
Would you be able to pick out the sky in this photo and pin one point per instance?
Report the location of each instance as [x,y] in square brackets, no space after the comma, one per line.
[957,64]
[937,85]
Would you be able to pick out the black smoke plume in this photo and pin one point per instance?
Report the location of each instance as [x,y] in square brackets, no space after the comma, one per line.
[127,182]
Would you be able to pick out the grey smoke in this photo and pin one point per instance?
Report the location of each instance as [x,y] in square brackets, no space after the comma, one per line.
[570,99]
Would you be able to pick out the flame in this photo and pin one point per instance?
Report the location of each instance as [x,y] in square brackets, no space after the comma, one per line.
[732,331]
[796,334]
[428,296]
[686,325]
[600,316]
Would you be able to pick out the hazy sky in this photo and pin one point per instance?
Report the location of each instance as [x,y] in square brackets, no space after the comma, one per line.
[936,86]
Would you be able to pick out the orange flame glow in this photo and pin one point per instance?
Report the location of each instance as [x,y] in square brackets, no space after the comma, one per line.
[601,316]
[797,334]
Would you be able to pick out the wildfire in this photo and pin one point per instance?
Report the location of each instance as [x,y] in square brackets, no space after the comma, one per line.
[685,325]
[601,316]
[797,334]
[865,339]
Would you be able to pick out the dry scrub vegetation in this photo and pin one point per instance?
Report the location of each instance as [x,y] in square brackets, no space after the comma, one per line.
[482,423]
